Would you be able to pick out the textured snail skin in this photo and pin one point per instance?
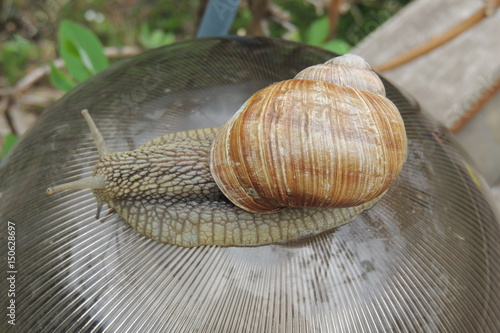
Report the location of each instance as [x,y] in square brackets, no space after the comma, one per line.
[165,191]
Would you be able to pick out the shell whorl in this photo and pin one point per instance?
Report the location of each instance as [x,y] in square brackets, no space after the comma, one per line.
[349,70]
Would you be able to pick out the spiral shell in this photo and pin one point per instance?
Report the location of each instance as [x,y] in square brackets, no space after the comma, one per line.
[327,138]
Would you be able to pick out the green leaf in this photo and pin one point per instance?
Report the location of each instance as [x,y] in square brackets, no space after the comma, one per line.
[15,55]
[318,31]
[295,36]
[338,46]
[9,141]
[81,51]
[156,38]
[60,80]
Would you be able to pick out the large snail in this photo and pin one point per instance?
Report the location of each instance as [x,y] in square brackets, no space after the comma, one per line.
[300,157]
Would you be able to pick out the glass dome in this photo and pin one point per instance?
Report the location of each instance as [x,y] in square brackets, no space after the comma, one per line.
[424,259]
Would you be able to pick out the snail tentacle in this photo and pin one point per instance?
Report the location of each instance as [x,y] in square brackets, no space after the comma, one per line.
[102,148]
[94,182]
[97,181]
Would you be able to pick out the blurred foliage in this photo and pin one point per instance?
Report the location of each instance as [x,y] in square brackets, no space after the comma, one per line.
[30,26]
[312,23]
[125,22]
[154,38]
[317,35]
[8,142]
[82,53]
[15,55]
[357,22]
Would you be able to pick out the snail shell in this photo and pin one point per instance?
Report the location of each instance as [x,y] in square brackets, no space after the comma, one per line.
[318,140]
[177,189]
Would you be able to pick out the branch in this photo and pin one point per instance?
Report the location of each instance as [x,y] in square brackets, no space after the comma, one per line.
[37,74]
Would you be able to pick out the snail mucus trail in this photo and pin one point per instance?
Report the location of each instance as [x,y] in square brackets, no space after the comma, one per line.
[299,157]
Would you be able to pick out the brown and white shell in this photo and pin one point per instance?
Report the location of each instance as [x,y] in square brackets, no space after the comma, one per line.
[327,138]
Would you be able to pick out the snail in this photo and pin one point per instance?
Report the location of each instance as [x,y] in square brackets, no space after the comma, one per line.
[299,157]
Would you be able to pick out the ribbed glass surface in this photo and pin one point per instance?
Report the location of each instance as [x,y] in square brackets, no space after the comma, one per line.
[426,258]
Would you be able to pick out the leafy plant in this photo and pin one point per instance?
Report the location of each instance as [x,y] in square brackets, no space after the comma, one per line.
[83,55]
[316,35]
[9,141]
[155,38]
[14,57]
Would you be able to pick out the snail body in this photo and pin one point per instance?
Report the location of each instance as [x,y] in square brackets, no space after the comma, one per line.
[300,157]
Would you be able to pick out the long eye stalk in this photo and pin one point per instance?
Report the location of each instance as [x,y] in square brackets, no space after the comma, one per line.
[102,148]
[94,182]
